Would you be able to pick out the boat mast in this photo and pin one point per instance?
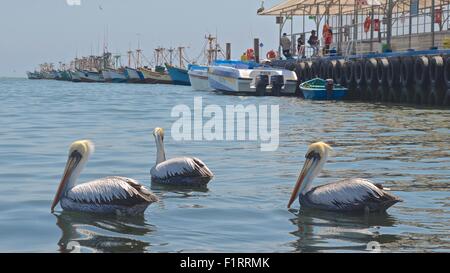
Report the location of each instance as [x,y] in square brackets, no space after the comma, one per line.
[129,52]
[171,55]
[211,52]
[180,54]
[138,53]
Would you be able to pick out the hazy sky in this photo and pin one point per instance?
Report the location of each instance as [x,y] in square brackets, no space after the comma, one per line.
[37,31]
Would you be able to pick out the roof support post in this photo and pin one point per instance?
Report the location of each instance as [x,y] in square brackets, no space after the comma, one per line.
[432,22]
[390,7]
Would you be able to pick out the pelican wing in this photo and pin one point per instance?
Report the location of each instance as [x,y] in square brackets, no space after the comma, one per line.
[113,191]
[349,195]
[181,166]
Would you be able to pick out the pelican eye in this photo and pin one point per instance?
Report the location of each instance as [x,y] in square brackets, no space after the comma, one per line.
[313,155]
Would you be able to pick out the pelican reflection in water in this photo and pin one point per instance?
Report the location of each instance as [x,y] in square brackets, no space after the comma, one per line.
[113,194]
[93,232]
[349,195]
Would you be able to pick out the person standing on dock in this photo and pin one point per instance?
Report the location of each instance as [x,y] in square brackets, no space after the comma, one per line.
[314,43]
[301,46]
[286,46]
[328,40]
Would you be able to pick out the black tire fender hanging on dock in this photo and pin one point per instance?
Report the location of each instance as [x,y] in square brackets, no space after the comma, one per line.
[436,96]
[405,95]
[393,94]
[421,71]
[382,71]
[447,72]
[447,98]
[331,65]
[348,74]
[437,71]
[323,70]
[308,71]
[338,73]
[315,69]
[300,71]
[420,95]
[393,75]
[358,72]
[370,72]
[406,71]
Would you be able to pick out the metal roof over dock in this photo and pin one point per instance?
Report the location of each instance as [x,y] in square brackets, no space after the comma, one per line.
[337,7]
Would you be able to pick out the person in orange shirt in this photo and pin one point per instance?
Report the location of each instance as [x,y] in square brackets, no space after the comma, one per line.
[328,40]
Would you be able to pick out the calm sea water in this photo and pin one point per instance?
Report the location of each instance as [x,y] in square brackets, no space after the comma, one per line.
[244,207]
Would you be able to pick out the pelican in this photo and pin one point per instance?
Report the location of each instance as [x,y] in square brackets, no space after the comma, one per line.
[119,195]
[179,171]
[350,195]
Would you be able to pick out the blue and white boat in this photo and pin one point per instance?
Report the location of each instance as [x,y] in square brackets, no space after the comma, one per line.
[242,78]
[133,75]
[316,89]
[198,76]
[178,75]
[90,76]
[115,76]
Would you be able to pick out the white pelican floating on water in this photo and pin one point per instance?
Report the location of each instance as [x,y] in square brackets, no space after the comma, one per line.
[347,195]
[180,171]
[118,195]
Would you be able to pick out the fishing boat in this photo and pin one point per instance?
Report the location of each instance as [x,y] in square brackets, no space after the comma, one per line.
[198,76]
[231,79]
[34,75]
[90,76]
[320,89]
[179,76]
[133,75]
[114,75]
[65,75]
[74,76]
[159,76]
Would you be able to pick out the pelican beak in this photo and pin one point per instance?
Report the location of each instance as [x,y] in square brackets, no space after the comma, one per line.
[309,165]
[72,162]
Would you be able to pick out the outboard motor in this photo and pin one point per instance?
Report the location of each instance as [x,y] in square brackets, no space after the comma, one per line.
[261,84]
[277,82]
[329,85]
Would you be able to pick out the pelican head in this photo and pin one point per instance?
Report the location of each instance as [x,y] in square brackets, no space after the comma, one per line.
[315,159]
[79,153]
[158,133]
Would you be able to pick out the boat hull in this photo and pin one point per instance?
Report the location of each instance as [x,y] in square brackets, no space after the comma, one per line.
[179,76]
[88,76]
[315,89]
[156,77]
[199,80]
[133,75]
[114,76]
[34,75]
[74,76]
[243,81]
[338,94]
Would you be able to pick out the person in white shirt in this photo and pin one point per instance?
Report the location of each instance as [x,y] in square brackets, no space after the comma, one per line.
[286,45]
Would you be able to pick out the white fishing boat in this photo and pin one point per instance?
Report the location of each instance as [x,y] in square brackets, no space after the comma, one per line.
[113,75]
[244,80]
[198,75]
[90,76]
